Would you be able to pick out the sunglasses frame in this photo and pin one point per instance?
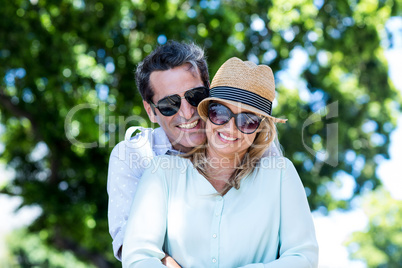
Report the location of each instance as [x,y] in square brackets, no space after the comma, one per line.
[186,93]
[235,116]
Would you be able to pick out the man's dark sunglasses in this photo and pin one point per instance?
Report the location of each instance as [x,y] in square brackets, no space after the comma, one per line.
[170,105]
[247,123]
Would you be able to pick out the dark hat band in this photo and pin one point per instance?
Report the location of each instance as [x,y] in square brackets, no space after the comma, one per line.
[243,96]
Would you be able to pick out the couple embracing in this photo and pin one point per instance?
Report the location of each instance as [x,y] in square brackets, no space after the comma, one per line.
[225,196]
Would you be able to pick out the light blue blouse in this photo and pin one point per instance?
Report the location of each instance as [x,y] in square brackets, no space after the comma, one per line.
[177,211]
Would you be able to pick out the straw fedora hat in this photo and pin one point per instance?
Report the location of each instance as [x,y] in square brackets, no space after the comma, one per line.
[243,84]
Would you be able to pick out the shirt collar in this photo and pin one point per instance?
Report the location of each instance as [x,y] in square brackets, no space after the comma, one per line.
[161,143]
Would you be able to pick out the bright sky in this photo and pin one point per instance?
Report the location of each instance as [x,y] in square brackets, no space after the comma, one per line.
[332,230]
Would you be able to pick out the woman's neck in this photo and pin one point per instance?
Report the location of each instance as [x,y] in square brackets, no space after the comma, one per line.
[221,167]
[218,161]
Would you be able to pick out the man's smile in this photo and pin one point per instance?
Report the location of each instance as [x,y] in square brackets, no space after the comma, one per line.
[189,125]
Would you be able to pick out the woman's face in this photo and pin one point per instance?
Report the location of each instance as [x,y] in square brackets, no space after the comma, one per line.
[227,140]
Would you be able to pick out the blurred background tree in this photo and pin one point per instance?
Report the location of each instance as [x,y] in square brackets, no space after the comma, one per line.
[380,245]
[68,94]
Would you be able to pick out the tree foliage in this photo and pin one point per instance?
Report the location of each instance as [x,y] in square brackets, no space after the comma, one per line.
[68,94]
[380,245]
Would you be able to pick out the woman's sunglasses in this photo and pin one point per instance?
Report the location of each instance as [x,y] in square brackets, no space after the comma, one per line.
[170,105]
[247,123]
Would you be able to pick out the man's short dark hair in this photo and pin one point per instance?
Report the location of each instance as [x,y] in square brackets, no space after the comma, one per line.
[168,56]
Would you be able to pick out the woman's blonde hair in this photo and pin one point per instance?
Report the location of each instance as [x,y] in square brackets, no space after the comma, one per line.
[265,137]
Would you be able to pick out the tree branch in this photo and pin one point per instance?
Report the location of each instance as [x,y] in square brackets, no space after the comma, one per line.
[64,243]
[6,102]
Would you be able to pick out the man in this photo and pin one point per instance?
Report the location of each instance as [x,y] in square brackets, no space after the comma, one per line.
[172,80]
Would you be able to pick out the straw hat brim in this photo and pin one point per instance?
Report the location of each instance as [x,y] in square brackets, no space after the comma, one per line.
[203,109]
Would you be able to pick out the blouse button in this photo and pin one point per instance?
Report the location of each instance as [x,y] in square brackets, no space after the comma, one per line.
[214,235]
[213,260]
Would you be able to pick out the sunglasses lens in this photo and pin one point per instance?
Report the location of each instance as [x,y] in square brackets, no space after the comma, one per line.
[247,123]
[196,95]
[218,114]
[170,105]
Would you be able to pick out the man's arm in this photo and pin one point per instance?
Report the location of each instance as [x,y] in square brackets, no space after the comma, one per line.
[127,163]
[121,188]
[146,226]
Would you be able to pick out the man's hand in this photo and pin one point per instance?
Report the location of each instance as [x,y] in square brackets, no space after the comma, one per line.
[170,262]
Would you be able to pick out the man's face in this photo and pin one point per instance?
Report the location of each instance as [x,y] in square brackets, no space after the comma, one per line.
[185,129]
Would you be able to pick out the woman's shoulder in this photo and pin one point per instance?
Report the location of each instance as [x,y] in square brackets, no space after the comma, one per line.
[171,158]
[170,162]
[274,162]
[165,169]
[279,165]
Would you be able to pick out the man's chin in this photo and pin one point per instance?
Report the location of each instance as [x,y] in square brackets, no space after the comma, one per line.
[189,141]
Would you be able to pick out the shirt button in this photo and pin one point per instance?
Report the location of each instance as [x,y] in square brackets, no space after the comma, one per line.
[219,198]
[216,214]
[213,260]
[214,235]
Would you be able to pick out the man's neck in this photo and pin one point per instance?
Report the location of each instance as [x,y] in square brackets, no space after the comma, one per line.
[181,149]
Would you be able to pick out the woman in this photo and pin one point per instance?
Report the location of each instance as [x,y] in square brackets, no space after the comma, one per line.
[223,204]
